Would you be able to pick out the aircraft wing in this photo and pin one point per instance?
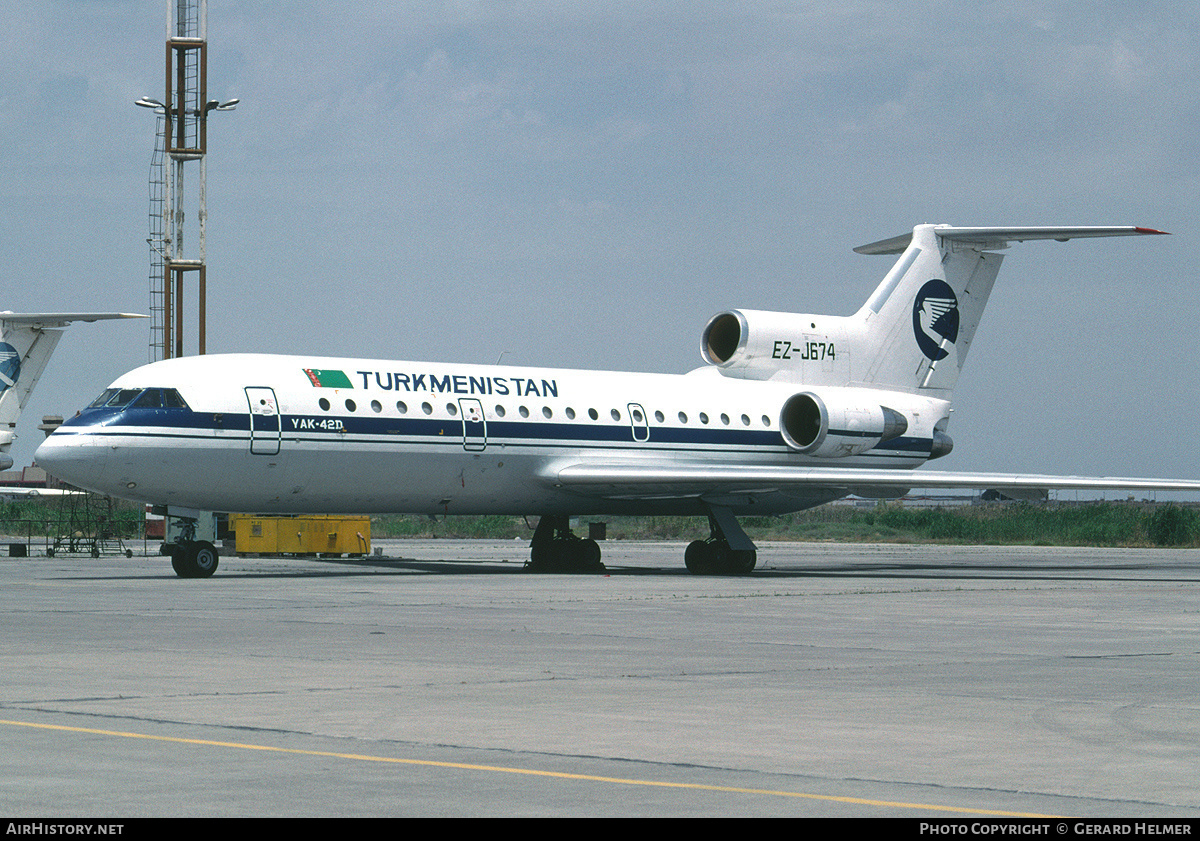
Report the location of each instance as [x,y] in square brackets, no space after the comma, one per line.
[632,481]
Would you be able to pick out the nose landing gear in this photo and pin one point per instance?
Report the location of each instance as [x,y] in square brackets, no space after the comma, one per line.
[190,557]
[194,559]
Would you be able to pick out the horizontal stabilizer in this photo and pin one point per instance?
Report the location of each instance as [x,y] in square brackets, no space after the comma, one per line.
[60,319]
[997,238]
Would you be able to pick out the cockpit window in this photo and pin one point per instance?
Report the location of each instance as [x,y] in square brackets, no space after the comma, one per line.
[172,399]
[159,398]
[104,397]
[151,398]
[123,397]
[137,398]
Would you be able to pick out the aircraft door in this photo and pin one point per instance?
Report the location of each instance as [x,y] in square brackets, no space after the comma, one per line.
[266,426]
[639,422]
[474,424]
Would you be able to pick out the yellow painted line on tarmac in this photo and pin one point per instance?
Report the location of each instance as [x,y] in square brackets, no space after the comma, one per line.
[531,772]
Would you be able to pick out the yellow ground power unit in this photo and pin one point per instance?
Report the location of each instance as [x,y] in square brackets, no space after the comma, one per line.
[318,534]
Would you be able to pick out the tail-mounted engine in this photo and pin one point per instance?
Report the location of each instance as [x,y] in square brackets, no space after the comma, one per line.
[757,345]
[835,428]
[725,338]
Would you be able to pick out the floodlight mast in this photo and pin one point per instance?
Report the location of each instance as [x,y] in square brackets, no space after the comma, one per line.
[182,137]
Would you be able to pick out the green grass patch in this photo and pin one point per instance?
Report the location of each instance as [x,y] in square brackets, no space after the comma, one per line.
[1055,524]
[49,517]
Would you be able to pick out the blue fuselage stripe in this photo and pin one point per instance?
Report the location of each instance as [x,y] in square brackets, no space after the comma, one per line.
[185,423]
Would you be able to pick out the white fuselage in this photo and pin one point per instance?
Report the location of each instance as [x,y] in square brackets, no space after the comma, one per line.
[279,434]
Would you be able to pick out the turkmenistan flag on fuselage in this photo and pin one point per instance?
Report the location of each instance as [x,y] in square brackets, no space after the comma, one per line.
[330,378]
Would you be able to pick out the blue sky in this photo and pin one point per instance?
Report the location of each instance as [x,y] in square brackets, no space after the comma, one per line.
[584,185]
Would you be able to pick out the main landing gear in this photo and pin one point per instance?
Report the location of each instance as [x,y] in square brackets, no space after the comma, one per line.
[727,551]
[555,548]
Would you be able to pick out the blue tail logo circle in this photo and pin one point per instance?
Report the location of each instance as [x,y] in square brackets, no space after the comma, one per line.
[935,318]
[10,366]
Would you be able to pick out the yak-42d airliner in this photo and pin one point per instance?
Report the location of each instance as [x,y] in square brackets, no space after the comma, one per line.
[791,411]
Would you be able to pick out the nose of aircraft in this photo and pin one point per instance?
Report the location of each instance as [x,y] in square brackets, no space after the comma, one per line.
[72,458]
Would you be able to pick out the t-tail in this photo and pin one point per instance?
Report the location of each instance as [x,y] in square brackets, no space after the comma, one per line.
[26,342]
[914,332]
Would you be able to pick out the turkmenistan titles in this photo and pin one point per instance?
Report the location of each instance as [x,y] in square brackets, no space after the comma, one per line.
[459,384]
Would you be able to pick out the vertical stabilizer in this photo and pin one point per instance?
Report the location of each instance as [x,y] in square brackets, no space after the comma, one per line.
[921,320]
[26,342]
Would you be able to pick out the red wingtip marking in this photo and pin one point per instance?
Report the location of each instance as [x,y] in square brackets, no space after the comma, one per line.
[1151,231]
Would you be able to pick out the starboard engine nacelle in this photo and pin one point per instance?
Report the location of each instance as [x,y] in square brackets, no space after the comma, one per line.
[836,427]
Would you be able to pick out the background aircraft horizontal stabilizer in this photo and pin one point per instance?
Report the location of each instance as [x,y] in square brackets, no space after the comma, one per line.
[61,319]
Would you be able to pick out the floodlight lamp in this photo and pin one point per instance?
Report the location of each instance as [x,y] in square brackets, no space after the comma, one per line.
[215,105]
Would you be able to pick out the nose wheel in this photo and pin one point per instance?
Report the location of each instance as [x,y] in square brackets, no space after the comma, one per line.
[193,559]
[192,556]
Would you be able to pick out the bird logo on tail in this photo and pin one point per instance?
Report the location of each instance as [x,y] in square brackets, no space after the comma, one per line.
[10,366]
[935,318]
